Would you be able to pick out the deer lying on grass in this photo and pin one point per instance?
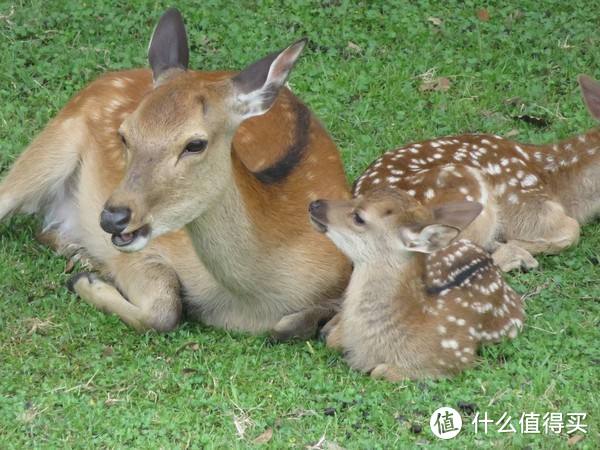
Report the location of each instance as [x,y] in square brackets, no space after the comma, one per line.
[150,152]
[534,196]
[418,304]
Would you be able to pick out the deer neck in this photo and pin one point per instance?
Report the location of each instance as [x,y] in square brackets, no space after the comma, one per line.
[377,284]
[573,166]
[226,236]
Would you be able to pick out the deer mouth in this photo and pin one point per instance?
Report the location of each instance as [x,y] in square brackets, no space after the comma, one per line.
[318,224]
[132,241]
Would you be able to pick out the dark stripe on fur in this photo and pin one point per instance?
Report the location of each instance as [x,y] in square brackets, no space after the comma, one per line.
[460,278]
[295,152]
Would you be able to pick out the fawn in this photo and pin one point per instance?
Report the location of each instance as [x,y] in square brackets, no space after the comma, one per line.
[418,304]
[235,158]
[534,196]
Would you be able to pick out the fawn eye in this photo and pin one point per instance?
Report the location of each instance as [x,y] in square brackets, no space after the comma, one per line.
[197,146]
[357,219]
[123,140]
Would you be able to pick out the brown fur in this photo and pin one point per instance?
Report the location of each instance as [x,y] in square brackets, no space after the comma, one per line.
[417,305]
[257,257]
[535,196]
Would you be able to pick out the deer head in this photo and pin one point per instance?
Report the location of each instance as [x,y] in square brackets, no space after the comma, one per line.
[177,143]
[590,89]
[390,224]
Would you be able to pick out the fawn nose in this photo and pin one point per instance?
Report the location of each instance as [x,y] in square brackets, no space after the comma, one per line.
[114,220]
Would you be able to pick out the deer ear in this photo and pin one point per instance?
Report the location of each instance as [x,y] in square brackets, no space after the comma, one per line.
[590,89]
[448,221]
[257,86]
[429,239]
[168,47]
[458,215]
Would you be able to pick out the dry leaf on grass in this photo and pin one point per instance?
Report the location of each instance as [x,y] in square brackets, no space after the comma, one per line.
[512,133]
[574,439]
[483,15]
[38,326]
[440,84]
[354,47]
[264,437]
[435,20]
[193,346]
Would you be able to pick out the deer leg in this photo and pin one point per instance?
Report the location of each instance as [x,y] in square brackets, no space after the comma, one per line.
[397,374]
[510,257]
[305,324]
[552,232]
[328,327]
[334,336]
[150,299]
[391,373]
[43,169]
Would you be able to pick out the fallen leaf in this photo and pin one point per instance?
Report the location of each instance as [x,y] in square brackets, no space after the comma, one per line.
[440,84]
[39,326]
[69,266]
[194,346]
[574,439]
[264,437]
[108,350]
[513,101]
[483,15]
[435,20]
[512,133]
[354,47]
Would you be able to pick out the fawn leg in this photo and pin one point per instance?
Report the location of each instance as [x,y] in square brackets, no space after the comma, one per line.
[547,229]
[510,257]
[305,324]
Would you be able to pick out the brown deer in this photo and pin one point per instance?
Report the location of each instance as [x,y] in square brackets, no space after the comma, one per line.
[235,158]
[418,304]
[534,196]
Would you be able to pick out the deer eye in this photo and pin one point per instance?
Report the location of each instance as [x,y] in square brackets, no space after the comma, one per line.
[197,146]
[123,140]
[357,219]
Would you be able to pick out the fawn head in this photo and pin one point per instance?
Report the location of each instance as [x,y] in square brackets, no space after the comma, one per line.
[390,224]
[590,89]
[178,141]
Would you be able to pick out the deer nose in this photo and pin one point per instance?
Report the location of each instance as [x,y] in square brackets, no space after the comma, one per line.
[316,206]
[114,219]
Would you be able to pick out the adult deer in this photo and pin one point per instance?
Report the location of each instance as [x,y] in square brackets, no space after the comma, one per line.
[150,152]
[535,196]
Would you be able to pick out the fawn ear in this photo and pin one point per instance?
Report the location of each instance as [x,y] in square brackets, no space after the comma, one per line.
[428,239]
[448,221]
[590,89]
[168,47]
[457,214]
[257,86]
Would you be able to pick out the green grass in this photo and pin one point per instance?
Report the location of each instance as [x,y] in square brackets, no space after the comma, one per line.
[82,379]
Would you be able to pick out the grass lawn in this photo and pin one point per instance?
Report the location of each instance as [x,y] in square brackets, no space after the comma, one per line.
[71,376]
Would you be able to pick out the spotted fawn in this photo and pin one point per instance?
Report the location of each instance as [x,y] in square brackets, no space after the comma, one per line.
[419,303]
[534,197]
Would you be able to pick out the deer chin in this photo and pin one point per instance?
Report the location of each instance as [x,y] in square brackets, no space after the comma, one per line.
[133,241]
[318,225]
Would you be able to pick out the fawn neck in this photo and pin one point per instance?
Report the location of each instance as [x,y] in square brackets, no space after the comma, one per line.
[377,283]
[573,166]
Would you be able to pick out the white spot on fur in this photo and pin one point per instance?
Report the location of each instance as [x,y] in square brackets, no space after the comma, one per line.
[449,343]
